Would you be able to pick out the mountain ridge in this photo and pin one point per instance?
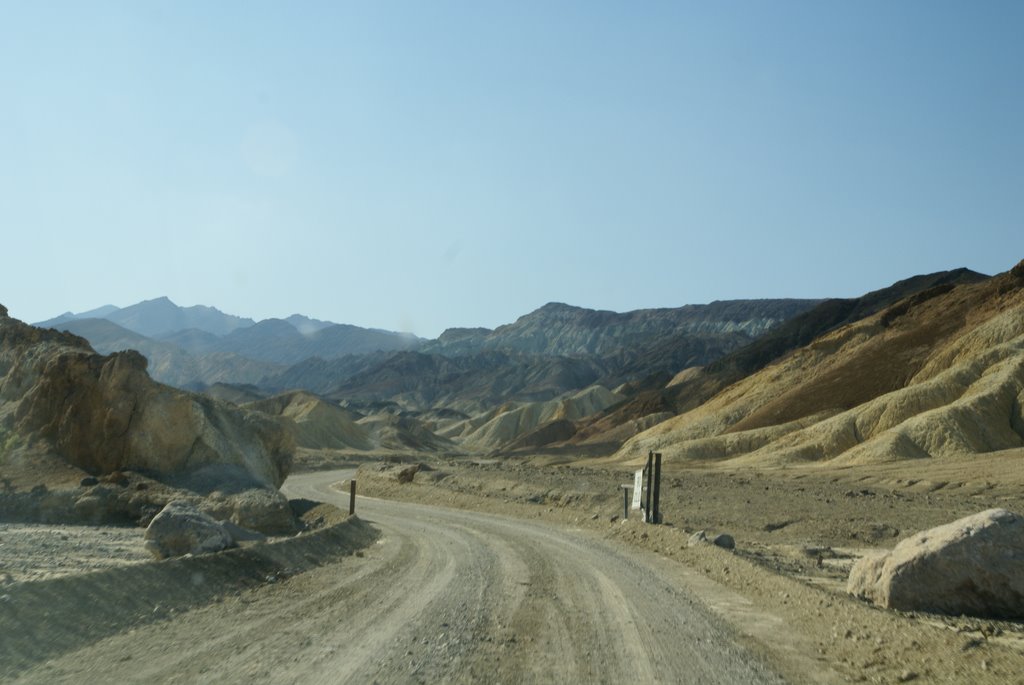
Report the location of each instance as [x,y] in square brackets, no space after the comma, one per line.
[160,316]
[935,373]
[648,367]
[567,330]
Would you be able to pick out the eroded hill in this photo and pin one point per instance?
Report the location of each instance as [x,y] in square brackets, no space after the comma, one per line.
[937,373]
[69,415]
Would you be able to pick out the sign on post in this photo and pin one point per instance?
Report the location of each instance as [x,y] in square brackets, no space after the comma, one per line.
[638,486]
[646,495]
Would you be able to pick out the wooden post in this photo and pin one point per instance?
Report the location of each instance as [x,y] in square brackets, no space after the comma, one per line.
[351,497]
[657,487]
[625,503]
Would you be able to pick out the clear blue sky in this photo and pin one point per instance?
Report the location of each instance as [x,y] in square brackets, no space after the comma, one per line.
[420,165]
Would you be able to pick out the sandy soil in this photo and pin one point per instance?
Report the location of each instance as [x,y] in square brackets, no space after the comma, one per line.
[443,596]
[31,552]
[44,619]
[797,530]
[503,596]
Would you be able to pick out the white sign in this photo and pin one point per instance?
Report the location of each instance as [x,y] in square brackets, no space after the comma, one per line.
[638,486]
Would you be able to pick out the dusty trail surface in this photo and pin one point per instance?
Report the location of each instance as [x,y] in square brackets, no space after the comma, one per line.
[444,596]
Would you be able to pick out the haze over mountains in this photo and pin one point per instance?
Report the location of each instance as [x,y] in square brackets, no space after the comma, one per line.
[154,318]
[198,346]
[568,379]
[417,393]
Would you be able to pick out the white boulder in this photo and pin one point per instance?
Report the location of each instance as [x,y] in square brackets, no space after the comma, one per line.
[180,528]
[973,566]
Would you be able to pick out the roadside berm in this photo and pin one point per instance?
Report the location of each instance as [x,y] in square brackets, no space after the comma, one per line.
[102,603]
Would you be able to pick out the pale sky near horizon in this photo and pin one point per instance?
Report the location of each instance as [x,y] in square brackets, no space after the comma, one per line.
[420,165]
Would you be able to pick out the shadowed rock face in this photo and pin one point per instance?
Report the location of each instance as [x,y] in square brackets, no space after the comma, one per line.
[104,413]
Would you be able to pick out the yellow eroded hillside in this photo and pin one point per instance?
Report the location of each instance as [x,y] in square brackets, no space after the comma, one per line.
[938,374]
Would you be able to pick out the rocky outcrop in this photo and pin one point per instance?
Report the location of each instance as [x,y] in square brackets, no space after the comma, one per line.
[973,566]
[180,528]
[133,499]
[723,540]
[399,473]
[258,509]
[105,414]
[405,474]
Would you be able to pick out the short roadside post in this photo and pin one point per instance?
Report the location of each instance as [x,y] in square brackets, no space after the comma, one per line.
[657,488]
[352,497]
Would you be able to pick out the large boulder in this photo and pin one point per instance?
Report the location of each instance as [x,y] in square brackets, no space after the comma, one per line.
[973,566]
[105,414]
[180,528]
[259,509]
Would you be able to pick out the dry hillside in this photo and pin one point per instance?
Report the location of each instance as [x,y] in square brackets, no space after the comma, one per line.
[317,424]
[103,414]
[508,424]
[655,399]
[938,373]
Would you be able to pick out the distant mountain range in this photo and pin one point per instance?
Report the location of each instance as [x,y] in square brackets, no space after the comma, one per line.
[561,378]
[198,346]
[170,363]
[561,329]
[193,347]
[155,318]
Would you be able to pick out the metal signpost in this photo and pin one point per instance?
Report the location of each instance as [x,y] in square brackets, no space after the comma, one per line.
[646,496]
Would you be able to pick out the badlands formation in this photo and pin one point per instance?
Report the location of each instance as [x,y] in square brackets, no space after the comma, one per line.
[811,434]
[92,439]
[901,427]
[939,374]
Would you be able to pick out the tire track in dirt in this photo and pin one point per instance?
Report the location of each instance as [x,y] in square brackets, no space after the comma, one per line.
[443,596]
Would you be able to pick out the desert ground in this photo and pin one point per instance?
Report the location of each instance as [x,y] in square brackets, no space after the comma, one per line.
[798,530]
[474,570]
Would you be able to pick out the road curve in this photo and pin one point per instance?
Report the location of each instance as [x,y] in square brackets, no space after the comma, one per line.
[444,596]
[475,597]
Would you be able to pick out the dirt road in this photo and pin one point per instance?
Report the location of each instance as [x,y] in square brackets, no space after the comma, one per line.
[444,596]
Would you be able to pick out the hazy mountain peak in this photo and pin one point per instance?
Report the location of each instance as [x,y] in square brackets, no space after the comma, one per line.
[561,309]
[307,326]
[98,313]
[451,334]
[273,324]
[558,307]
[160,316]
